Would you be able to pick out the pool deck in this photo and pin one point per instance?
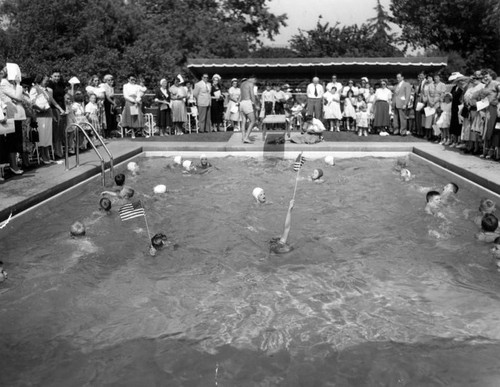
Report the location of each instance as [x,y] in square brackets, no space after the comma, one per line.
[20,193]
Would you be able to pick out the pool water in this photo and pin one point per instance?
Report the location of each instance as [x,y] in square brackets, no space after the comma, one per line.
[375,292]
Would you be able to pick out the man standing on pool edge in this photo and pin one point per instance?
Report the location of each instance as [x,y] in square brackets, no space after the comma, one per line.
[247,107]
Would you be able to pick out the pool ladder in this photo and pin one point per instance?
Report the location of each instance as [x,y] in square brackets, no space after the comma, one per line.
[78,128]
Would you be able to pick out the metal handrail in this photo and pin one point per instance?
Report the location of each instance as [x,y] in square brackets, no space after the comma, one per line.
[66,151]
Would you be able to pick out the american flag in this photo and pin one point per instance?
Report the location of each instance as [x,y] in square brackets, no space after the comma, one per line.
[131,210]
[299,162]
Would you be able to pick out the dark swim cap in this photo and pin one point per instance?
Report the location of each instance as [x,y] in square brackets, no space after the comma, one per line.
[105,204]
[158,240]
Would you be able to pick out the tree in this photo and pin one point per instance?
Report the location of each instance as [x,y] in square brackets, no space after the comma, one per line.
[470,28]
[346,41]
[382,37]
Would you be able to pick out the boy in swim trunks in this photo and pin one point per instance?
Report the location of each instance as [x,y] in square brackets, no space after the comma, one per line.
[489,224]
[279,245]
[247,104]
[158,242]
[317,176]
[448,190]
[433,204]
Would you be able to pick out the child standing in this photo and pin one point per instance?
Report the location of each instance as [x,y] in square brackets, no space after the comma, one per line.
[267,101]
[350,110]
[92,113]
[362,119]
[331,110]
[443,122]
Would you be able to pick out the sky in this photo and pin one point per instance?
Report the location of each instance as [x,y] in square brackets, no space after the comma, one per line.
[304,14]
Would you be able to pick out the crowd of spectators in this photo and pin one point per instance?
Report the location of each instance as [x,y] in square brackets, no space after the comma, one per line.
[37,112]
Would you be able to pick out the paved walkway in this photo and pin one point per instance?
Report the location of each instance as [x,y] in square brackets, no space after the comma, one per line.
[19,193]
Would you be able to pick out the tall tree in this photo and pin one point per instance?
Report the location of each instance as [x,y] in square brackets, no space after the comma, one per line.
[469,28]
[382,36]
[345,41]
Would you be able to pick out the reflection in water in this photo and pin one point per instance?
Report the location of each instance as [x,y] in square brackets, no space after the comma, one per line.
[367,296]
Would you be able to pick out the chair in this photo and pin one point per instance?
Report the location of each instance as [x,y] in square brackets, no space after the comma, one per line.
[192,113]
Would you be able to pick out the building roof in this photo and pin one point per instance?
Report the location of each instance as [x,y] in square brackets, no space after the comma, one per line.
[313,62]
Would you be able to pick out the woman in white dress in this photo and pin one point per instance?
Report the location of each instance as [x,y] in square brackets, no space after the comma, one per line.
[233,105]
[331,108]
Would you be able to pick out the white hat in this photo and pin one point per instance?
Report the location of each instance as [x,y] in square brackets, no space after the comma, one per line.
[330,160]
[160,188]
[132,167]
[186,164]
[179,77]
[454,76]
[365,79]
[256,192]
[406,174]
[216,76]
[74,81]
[178,160]
[203,156]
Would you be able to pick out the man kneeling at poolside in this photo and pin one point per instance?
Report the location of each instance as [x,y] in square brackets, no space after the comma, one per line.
[311,131]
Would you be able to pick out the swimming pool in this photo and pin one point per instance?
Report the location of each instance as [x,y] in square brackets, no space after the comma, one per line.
[375,292]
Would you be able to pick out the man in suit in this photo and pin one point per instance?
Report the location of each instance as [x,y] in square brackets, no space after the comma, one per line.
[419,99]
[203,100]
[400,100]
[315,93]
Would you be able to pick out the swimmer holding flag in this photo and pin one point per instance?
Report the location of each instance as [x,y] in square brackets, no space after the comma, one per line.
[279,245]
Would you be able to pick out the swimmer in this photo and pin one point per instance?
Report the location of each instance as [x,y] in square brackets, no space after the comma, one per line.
[448,190]
[330,160]
[317,176]
[405,174]
[489,224]
[496,251]
[3,273]
[77,229]
[486,206]
[279,245]
[433,204]
[125,193]
[105,205]
[188,166]
[158,241]
[204,164]
[119,180]
[259,195]
[133,167]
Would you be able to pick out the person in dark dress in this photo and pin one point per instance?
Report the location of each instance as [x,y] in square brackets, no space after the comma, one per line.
[457,92]
[58,87]
[164,115]
[217,108]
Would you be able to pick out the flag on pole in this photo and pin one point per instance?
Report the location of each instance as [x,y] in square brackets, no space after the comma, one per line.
[299,162]
[131,210]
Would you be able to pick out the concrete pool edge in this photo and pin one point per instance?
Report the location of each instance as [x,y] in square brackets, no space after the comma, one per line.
[481,172]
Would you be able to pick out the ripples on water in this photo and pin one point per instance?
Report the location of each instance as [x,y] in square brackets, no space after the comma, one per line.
[374,293]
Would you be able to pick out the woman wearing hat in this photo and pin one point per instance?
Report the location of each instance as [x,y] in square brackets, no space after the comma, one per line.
[178,95]
[233,108]
[162,98]
[217,108]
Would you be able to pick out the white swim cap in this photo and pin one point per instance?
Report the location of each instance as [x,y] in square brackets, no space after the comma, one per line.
[186,164]
[405,173]
[178,160]
[132,167]
[330,160]
[203,156]
[77,229]
[256,192]
[160,188]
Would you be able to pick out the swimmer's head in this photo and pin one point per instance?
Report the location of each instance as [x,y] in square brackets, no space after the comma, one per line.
[203,160]
[126,192]
[433,197]
[487,206]
[187,165]
[160,188]
[133,167]
[158,240]
[259,195]
[77,229]
[279,247]
[105,204]
[317,174]
[330,160]
[450,188]
[489,223]
[178,160]
[405,174]
[120,179]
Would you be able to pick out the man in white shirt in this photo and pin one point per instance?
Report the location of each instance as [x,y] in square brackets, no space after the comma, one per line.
[315,93]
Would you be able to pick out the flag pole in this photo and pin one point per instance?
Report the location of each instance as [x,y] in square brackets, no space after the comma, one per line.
[297,178]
